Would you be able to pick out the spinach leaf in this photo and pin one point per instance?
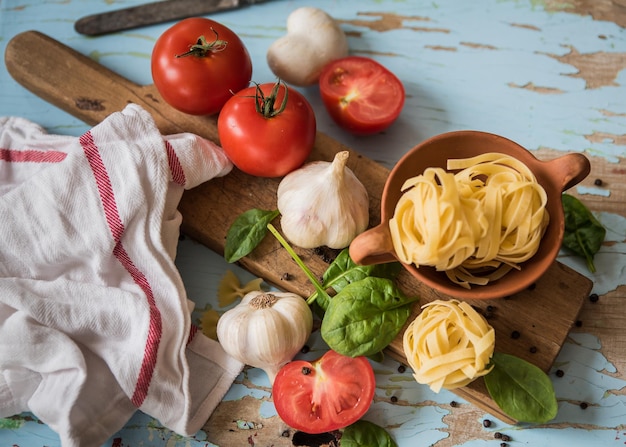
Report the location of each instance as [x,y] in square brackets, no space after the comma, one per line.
[343,271]
[365,434]
[520,389]
[583,233]
[365,316]
[246,233]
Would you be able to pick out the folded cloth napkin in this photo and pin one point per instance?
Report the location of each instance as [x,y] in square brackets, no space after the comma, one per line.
[94,319]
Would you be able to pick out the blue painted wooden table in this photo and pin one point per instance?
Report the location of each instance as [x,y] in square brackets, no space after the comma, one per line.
[549,75]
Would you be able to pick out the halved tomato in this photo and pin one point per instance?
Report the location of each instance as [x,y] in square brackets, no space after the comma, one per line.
[361,95]
[327,394]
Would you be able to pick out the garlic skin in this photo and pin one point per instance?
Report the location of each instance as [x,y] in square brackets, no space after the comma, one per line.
[266,329]
[323,203]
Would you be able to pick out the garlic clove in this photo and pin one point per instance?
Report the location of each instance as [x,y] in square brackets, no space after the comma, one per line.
[323,203]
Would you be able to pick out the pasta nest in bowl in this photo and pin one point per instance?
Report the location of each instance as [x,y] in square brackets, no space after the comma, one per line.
[474,224]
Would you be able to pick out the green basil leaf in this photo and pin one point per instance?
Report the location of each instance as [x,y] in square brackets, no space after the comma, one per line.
[584,234]
[521,390]
[365,317]
[246,233]
[343,271]
[366,434]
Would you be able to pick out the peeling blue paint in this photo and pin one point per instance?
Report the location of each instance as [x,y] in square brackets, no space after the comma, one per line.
[593,191]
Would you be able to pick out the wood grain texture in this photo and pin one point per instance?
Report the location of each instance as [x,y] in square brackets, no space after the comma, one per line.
[543,316]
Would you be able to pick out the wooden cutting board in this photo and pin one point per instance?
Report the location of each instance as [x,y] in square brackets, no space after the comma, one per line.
[542,316]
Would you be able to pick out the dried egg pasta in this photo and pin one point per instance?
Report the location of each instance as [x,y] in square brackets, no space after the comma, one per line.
[476,224]
[448,345]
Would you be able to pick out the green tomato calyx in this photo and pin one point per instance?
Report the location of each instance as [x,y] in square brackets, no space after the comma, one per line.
[204,48]
[265,105]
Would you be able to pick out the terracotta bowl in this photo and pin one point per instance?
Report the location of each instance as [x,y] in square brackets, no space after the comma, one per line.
[375,246]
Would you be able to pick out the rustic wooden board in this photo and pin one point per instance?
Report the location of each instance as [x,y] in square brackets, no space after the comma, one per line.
[542,315]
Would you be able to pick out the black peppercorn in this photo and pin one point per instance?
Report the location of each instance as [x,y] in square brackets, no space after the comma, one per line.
[401,369]
[506,438]
[560,373]
[597,182]
[393,399]
[503,444]
[306,370]
[584,405]
[533,349]
[594,297]
[515,335]
[454,404]
[497,435]
[486,423]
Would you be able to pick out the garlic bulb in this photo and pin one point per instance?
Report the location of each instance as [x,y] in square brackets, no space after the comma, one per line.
[323,203]
[266,329]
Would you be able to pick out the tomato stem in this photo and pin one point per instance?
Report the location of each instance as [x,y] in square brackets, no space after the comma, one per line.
[265,104]
[202,47]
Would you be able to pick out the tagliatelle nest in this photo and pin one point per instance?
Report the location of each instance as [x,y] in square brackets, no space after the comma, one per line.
[448,345]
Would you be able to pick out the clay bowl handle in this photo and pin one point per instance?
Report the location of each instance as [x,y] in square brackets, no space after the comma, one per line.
[569,170]
[373,246]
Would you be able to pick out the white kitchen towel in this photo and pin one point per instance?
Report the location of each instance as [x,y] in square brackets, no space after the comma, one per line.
[94,319]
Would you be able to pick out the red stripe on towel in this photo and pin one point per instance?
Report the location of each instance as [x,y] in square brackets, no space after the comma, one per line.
[178,174]
[155,330]
[193,330]
[32,156]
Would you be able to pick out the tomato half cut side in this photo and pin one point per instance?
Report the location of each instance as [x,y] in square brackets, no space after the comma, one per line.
[361,95]
[324,395]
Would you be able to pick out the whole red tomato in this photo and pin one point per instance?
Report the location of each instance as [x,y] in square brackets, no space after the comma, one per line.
[198,63]
[327,394]
[268,130]
[361,95]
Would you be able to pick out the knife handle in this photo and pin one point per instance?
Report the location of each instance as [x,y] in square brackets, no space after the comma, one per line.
[87,90]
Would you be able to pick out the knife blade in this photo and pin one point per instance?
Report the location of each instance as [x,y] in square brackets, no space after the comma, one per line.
[153,13]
